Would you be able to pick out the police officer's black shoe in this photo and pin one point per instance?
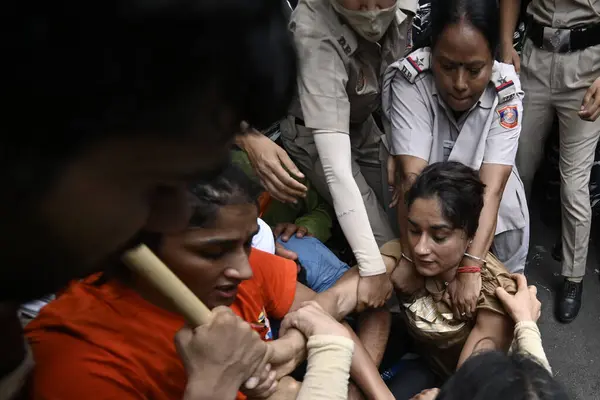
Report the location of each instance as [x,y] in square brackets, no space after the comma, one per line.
[569,301]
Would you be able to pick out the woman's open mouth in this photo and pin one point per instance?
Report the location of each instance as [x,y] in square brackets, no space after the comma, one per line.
[227,291]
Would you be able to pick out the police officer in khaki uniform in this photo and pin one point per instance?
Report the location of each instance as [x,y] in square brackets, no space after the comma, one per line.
[454,102]
[560,71]
[344,47]
[487,134]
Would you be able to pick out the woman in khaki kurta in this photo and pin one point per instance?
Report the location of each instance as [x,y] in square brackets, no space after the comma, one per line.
[444,205]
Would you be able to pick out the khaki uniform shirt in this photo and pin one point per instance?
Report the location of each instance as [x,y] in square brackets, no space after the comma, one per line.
[567,14]
[424,127]
[339,83]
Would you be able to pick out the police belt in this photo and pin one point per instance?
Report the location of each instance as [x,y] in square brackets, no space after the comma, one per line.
[563,40]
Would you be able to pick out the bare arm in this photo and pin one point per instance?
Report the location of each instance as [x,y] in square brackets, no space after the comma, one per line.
[509,15]
[492,331]
[373,331]
[409,168]
[338,301]
[363,370]
[464,291]
[494,176]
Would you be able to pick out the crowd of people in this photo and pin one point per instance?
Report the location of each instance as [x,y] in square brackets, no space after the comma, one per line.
[376,249]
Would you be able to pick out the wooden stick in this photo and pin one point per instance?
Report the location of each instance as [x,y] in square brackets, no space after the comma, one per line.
[146,264]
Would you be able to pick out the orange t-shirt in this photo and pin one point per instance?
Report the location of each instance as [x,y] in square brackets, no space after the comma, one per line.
[107,342]
[263,203]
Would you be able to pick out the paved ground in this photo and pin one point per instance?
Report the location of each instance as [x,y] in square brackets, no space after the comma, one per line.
[573,349]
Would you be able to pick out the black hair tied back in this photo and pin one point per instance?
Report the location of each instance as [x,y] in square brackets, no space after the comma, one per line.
[482,14]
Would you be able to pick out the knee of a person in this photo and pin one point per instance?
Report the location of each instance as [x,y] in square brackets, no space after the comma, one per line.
[574,186]
[575,199]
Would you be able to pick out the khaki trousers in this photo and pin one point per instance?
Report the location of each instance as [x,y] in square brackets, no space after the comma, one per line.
[369,158]
[555,83]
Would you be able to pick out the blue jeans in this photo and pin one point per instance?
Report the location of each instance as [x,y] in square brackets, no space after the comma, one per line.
[323,268]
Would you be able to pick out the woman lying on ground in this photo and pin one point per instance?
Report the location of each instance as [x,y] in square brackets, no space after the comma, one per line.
[444,205]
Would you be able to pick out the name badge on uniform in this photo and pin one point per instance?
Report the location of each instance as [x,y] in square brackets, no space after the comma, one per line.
[448,146]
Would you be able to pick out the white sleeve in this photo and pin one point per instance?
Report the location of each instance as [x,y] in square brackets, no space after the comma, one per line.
[264,239]
[528,341]
[328,370]
[335,155]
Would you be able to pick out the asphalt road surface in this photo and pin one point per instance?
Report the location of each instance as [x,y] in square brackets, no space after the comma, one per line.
[573,349]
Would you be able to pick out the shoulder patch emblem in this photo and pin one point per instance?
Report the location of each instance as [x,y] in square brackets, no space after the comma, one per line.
[509,117]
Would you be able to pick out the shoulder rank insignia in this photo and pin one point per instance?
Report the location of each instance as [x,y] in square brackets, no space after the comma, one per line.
[505,86]
[415,63]
[509,116]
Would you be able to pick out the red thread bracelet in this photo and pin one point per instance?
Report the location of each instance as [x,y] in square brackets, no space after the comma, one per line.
[469,270]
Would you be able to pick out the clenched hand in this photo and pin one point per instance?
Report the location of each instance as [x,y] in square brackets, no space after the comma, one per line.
[221,355]
[373,291]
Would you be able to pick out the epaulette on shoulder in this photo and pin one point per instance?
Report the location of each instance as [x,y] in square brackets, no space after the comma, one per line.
[346,39]
[415,63]
[503,78]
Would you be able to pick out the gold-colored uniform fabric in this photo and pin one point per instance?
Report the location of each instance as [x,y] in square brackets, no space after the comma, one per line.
[438,335]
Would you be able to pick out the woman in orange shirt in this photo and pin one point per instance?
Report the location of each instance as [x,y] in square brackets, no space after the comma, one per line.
[113,334]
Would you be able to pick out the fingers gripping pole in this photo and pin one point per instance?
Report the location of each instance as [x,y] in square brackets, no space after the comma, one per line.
[146,264]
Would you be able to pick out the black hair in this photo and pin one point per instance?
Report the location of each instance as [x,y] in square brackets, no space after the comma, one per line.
[459,190]
[482,14]
[77,72]
[232,187]
[493,375]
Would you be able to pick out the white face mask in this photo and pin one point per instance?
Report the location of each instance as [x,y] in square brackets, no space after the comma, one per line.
[371,25]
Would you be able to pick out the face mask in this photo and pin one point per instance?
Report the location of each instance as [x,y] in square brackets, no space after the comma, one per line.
[371,25]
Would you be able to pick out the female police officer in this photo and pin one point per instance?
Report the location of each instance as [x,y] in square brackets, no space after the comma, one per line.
[344,47]
[453,102]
